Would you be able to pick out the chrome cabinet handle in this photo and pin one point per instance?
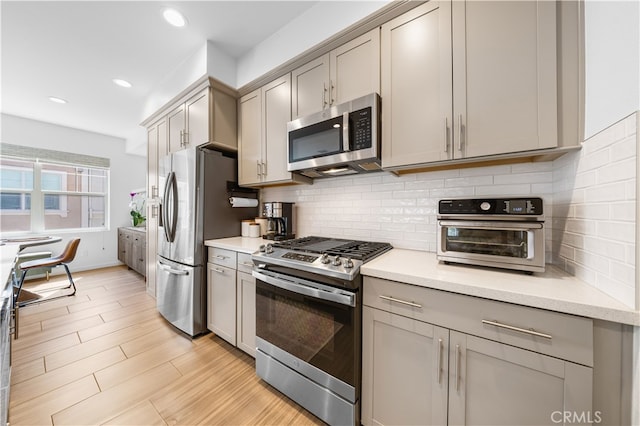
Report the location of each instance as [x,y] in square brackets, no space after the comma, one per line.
[221,257]
[404,302]
[460,132]
[529,331]
[457,367]
[439,364]
[446,134]
[324,95]
[263,167]
[247,264]
[154,211]
[258,171]
[331,97]
[218,270]
[154,191]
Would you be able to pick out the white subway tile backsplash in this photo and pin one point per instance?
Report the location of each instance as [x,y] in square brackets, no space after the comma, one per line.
[590,205]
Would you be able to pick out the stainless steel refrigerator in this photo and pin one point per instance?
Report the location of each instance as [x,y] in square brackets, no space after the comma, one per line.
[194,207]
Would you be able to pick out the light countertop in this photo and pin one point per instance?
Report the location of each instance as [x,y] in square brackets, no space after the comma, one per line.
[553,290]
[239,244]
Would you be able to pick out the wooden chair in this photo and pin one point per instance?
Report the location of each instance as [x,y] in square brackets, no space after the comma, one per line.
[63,259]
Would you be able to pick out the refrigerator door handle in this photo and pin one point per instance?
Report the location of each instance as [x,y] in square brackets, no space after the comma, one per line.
[174,212]
[165,210]
[171,270]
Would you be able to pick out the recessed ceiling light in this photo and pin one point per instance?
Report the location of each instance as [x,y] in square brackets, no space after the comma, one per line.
[174,17]
[121,83]
[57,100]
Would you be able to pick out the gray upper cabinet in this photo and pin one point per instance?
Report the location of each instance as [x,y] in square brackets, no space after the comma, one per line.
[469,79]
[262,135]
[504,77]
[208,116]
[347,72]
[416,86]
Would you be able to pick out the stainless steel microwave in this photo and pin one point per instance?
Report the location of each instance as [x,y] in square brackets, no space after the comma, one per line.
[342,140]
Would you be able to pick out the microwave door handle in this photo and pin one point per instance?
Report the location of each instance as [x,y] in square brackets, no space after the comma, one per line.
[345,132]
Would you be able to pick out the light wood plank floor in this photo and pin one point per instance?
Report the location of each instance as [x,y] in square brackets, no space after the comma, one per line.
[105,356]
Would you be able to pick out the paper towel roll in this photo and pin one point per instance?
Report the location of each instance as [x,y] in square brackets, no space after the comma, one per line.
[243,202]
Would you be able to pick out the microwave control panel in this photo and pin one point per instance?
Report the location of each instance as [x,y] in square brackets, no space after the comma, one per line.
[361,129]
[492,206]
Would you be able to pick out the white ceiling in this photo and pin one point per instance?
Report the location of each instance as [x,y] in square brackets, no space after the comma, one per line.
[73,50]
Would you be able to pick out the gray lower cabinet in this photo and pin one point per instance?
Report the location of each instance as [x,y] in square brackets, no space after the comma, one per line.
[231,298]
[132,249]
[426,362]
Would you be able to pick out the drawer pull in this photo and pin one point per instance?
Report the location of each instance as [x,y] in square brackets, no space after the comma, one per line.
[218,270]
[531,331]
[249,264]
[404,302]
[219,256]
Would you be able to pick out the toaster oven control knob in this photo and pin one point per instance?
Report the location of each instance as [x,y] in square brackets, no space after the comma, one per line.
[268,249]
[262,248]
[347,263]
[336,261]
[324,258]
[484,206]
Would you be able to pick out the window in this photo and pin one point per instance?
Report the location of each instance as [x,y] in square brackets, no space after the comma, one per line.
[38,195]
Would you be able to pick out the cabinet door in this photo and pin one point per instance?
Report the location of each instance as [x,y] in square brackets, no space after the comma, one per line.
[498,384]
[504,81]
[416,86]
[404,370]
[276,112]
[355,68]
[176,124]
[250,138]
[197,113]
[221,303]
[246,321]
[310,87]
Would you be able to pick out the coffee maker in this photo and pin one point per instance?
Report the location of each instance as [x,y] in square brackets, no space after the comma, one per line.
[280,224]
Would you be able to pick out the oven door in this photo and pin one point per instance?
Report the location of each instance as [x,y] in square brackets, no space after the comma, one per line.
[311,328]
[502,244]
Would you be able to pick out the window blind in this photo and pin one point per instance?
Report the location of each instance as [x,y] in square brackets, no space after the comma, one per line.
[51,156]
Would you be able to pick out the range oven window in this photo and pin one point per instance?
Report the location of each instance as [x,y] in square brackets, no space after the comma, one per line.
[496,242]
[319,332]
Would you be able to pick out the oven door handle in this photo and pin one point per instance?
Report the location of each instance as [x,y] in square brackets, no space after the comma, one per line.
[297,287]
[493,226]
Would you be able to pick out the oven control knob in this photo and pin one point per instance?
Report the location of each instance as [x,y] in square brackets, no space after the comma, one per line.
[324,258]
[347,263]
[268,249]
[262,248]
[485,205]
[336,261]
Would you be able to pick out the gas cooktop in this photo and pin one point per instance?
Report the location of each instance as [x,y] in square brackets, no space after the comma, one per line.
[335,257]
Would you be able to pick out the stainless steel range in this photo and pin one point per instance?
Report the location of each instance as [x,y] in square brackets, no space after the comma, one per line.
[309,322]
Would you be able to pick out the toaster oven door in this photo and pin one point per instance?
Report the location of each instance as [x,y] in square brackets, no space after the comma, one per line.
[502,244]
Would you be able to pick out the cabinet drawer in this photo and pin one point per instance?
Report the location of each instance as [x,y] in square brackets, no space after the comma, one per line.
[559,335]
[244,263]
[222,257]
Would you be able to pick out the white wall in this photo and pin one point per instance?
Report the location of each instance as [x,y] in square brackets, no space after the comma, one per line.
[97,248]
[612,62]
[317,24]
